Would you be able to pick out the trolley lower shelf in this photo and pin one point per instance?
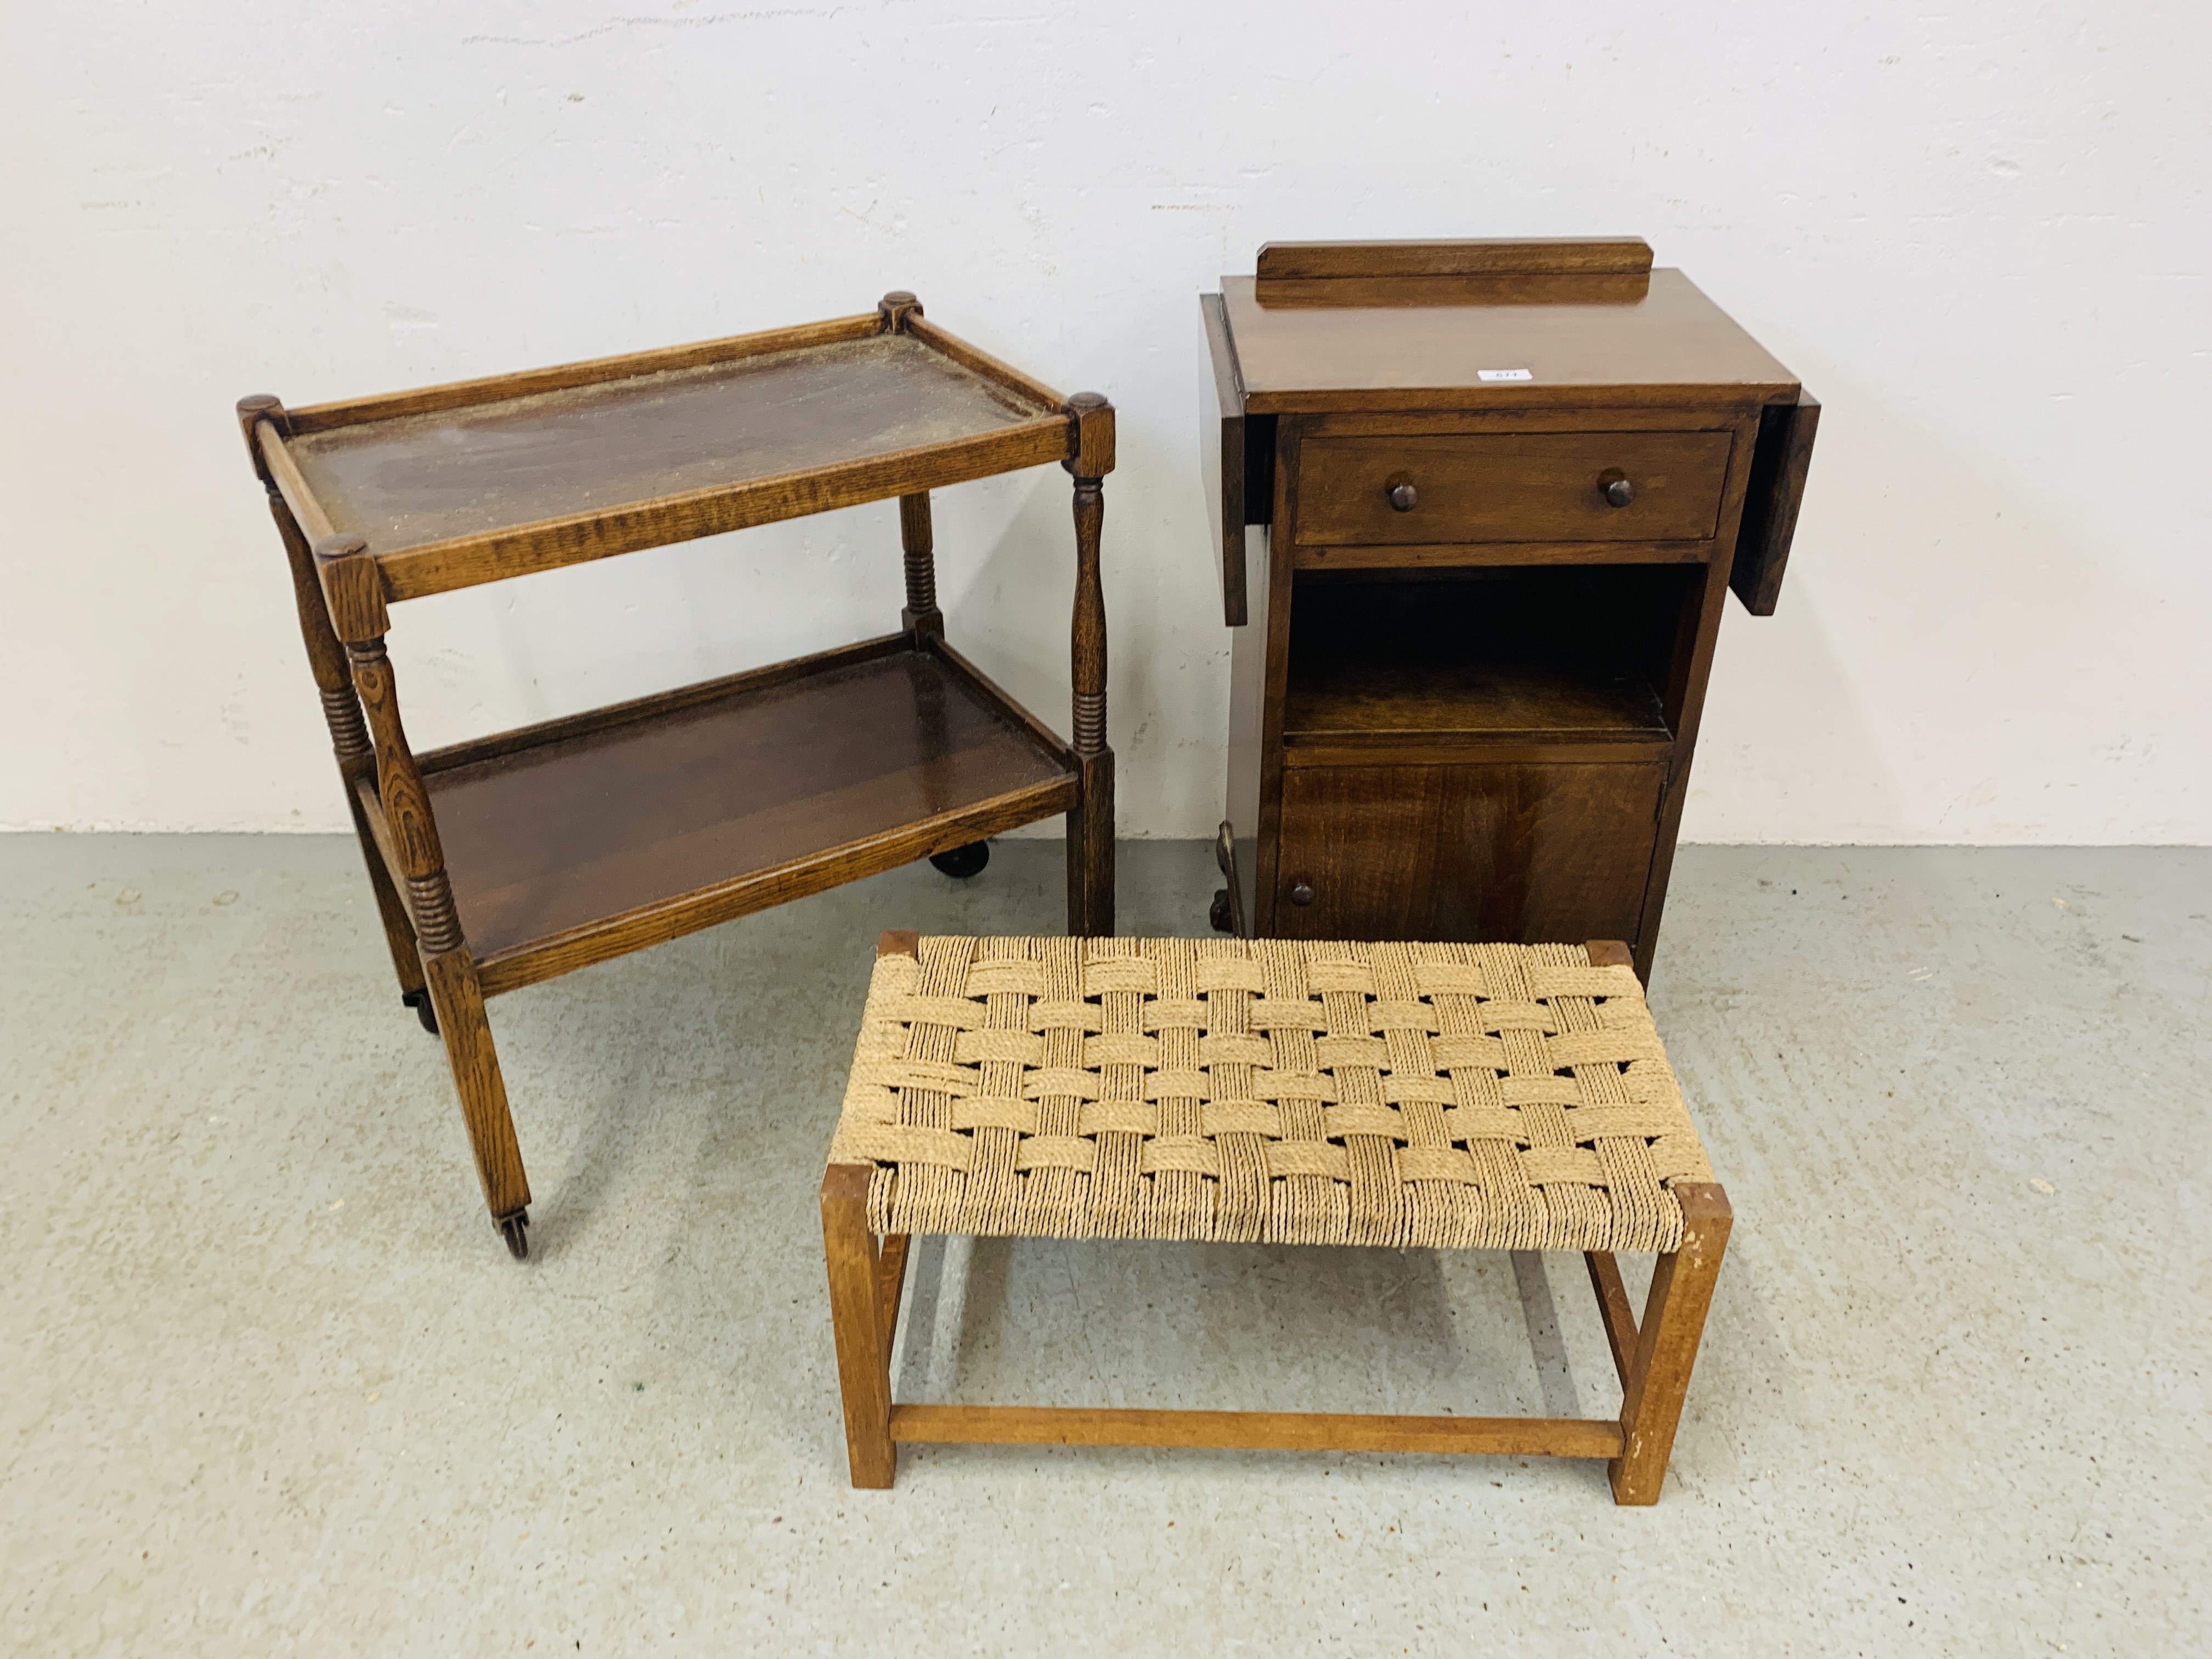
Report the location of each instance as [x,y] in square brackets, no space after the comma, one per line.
[581,840]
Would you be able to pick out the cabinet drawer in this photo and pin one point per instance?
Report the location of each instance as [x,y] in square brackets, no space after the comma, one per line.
[1510,487]
[1522,854]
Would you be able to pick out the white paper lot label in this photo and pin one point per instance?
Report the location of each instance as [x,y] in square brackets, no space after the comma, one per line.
[1504,374]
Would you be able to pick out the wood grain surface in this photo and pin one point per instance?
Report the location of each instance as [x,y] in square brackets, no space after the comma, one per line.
[1672,347]
[1613,1304]
[1553,270]
[1778,471]
[551,543]
[543,841]
[417,479]
[860,1326]
[509,859]
[1542,655]
[1667,1342]
[1538,486]
[1077,1425]
[595,371]
[1517,853]
[1222,456]
[1495,255]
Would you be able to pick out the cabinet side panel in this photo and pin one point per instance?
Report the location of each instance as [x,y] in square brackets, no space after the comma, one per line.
[1248,693]
[1685,698]
[1274,673]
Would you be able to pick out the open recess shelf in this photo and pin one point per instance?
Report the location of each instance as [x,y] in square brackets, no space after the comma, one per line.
[1507,655]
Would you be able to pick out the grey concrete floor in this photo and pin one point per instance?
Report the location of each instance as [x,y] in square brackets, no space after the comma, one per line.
[273,1387]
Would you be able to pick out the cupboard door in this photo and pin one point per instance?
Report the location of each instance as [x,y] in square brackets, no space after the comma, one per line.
[1515,853]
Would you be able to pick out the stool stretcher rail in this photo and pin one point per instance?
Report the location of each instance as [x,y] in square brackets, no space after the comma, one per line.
[1082,1426]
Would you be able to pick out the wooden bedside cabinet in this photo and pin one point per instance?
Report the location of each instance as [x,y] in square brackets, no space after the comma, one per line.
[1501,489]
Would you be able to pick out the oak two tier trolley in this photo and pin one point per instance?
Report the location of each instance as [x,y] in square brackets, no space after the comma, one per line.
[510,859]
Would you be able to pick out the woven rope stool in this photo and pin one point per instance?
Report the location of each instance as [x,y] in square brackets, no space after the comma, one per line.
[1479,1096]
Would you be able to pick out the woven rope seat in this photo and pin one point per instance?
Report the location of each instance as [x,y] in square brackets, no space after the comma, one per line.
[1496,1096]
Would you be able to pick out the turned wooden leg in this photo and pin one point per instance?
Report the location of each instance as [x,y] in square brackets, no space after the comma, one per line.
[861,1323]
[352,587]
[326,660]
[1090,824]
[459,999]
[1666,1344]
[391,910]
[921,618]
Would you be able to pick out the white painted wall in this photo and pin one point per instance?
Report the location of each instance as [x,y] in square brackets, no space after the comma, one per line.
[1982,236]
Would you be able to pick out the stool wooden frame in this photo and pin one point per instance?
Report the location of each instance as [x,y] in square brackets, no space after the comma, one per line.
[1654,1357]
[511,858]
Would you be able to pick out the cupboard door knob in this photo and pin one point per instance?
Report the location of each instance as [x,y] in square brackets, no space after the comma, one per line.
[1619,492]
[1404,498]
[1302,893]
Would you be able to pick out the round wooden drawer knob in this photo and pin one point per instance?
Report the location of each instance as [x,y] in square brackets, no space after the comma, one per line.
[1404,498]
[1302,893]
[1619,492]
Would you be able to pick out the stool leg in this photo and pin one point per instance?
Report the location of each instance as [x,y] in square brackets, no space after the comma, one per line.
[1666,1344]
[857,1321]
[890,1286]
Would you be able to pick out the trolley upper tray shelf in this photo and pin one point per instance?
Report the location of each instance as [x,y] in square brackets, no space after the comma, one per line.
[487,479]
